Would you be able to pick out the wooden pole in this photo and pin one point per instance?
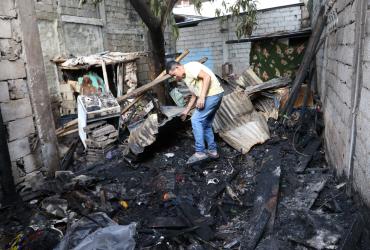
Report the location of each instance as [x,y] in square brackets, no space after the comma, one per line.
[120,80]
[307,58]
[150,85]
[105,75]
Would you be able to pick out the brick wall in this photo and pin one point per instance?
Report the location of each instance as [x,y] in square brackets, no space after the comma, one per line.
[209,36]
[335,71]
[15,102]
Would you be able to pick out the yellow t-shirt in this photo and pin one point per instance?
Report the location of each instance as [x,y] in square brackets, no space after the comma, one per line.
[191,79]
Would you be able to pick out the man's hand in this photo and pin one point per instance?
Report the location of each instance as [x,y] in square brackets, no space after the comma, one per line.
[184,114]
[200,102]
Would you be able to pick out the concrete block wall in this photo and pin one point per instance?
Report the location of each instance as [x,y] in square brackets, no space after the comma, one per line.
[361,173]
[15,102]
[209,36]
[124,29]
[335,71]
[68,29]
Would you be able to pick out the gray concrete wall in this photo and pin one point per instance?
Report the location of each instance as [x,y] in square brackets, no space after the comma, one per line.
[15,102]
[336,84]
[69,29]
[209,36]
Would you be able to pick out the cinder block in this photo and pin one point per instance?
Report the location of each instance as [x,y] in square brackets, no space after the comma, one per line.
[7,8]
[364,103]
[21,128]
[17,171]
[5,28]
[31,163]
[4,92]
[10,49]
[18,89]
[12,69]
[16,109]
[19,148]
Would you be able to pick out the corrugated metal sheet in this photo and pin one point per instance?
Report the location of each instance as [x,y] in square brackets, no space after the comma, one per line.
[239,124]
[144,134]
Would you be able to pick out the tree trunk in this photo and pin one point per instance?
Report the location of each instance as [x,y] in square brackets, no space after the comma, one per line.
[156,34]
[159,61]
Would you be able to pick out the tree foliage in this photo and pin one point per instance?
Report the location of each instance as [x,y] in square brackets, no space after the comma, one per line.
[242,11]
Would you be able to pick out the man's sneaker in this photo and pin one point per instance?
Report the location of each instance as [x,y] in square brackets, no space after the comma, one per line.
[213,154]
[197,157]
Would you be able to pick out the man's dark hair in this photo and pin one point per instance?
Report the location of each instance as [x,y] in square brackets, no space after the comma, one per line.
[170,65]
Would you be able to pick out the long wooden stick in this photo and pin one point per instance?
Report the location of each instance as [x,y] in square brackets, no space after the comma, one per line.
[307,58]
[160,78]
[131,104]
[105,75]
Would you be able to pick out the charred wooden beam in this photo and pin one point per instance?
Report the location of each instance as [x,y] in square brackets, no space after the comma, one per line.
[307,58]
[273,83]
[307,154]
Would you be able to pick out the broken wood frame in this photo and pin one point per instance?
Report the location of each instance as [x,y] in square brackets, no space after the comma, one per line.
[70,126]
[118,70]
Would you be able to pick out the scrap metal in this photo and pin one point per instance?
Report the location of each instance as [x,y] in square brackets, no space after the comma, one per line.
[239,124]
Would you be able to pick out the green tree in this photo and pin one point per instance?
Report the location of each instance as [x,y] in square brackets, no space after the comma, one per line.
[157,15]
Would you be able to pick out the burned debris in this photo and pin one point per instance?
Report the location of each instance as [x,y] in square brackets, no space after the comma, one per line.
[124,182]
[280,195]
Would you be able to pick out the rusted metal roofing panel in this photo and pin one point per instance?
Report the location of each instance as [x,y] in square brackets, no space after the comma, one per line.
[239,124]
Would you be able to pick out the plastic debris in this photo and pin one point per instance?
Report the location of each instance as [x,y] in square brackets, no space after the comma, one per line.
[98,231]
[169,155]
[124,204]
[55,206]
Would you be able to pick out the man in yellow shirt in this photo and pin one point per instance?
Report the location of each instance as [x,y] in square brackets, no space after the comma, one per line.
[206,95]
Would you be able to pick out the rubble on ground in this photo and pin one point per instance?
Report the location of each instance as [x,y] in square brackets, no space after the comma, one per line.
[281,195]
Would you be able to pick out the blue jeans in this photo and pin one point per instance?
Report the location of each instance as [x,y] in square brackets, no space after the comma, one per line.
[201,122]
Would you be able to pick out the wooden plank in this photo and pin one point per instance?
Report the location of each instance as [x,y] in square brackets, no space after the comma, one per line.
[256,231]
[196,219]
[105,75]
[139,91]
[307,58]
[304,160]
[353,234]
[274,83]
[248,78]
[120,79]
[167,222]
[93,126]
[68,132]
[107,129]
[266,198]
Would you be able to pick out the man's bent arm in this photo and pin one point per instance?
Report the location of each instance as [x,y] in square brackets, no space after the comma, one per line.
[206,83]
[191,102]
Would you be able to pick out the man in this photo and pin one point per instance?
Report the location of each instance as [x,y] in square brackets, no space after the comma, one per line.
[206,95]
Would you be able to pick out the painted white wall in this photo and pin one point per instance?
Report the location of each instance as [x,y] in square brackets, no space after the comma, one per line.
[208,8]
